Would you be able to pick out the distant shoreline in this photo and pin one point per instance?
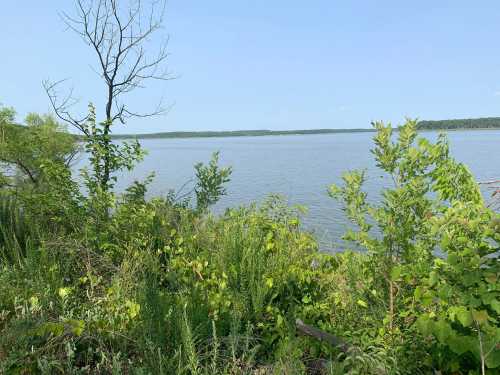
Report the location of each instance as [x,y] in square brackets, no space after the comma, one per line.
[237,133]
[262,133]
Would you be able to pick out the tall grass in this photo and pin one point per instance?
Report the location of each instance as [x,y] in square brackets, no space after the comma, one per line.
[15,230]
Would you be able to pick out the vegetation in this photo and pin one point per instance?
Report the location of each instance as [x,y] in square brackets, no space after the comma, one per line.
[96,281]
[478,123]
[25,149]
[93,281]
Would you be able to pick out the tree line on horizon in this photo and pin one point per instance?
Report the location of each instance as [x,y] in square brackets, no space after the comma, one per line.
[452,124]
[470,123]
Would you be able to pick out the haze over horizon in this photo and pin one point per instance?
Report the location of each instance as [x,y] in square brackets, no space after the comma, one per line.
[280,65]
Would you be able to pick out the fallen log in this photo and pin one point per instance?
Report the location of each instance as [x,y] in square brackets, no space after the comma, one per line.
[320,335]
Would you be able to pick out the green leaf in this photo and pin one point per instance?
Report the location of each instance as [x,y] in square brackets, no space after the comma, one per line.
[133,308]
[427,298]
[452,258]
[433,278]
[458,344]
[419,290]
[445,291]
[464,317]
[334,191]
[77,326]
[362,303]
[269,282]
[424,324]
[55,329]
[396,273]
[493,359]
[442,331]
[495,305]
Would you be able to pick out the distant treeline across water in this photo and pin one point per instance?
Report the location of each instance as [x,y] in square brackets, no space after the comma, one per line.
[479,123]
[239,133]
[471,123]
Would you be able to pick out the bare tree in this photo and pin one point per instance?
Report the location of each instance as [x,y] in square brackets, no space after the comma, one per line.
[118,32]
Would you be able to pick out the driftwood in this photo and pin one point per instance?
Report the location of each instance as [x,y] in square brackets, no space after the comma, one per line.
[320,335]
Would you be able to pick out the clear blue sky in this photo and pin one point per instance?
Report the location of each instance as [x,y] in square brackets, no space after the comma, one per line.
[276,64]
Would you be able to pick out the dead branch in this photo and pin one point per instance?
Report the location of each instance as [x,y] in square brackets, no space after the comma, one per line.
[320,335]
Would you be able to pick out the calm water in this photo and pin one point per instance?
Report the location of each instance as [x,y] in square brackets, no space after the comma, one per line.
[298,167]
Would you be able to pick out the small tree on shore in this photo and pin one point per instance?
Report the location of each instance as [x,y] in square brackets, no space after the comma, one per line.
[118,32]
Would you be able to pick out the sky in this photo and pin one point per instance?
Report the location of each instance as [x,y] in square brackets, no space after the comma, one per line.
[276,64]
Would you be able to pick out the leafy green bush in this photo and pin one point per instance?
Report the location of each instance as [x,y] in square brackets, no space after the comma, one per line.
[432,254]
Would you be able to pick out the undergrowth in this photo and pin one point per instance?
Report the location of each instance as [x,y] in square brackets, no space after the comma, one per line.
[121,284]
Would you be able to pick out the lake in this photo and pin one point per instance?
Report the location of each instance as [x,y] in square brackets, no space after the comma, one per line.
[299,167]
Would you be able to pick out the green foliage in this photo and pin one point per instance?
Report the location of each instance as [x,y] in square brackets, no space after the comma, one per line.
[24,150]
[167,283]
[106,157]
[464,288]
[433,208]
[35,169]
[249,266]
[357,362]
[99,282]
[210,181]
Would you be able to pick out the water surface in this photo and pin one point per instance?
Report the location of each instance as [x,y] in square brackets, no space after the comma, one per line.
[300,167]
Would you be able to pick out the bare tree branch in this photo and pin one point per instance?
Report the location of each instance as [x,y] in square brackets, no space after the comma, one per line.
[493,185]
[62,104]
[118,32]
[27,171]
